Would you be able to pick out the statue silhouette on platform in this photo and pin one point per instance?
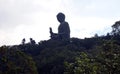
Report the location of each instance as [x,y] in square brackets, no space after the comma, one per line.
[63,29]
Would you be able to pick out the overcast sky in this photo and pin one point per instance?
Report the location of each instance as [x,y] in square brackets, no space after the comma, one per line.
[32,18]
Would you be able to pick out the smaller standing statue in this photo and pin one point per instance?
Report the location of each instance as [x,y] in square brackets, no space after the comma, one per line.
[63,29]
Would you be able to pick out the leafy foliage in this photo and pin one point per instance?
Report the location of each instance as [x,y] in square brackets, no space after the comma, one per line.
[95,55]
[51,58]
[107,61]
[116,28]
[80,56]
[13,61]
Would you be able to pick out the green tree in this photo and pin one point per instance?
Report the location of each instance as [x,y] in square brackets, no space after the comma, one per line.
[83,65]
[13,61]
[116,28]
[107,61]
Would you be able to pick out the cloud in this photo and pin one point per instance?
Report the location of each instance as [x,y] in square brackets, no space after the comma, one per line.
[93,8]
[88,26]
[32,18]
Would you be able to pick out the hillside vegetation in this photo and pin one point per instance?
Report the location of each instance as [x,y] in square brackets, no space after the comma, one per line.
[95,55]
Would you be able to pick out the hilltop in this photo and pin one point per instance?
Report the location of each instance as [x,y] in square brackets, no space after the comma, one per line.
[95,55]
